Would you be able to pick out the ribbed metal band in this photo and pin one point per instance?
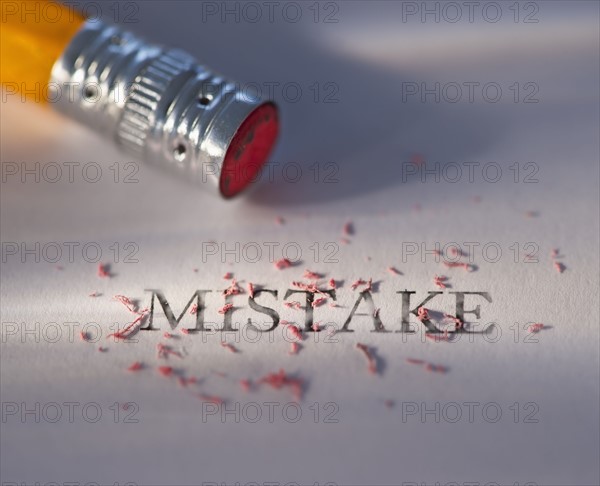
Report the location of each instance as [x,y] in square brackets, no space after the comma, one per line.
[145,95]
[159,105]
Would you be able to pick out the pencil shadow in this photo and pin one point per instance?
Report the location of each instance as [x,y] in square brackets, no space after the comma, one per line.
[364,143]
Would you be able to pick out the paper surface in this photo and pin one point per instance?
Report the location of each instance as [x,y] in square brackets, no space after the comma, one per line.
[545,385]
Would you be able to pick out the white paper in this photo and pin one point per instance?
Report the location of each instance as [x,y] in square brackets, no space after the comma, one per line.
[370,134]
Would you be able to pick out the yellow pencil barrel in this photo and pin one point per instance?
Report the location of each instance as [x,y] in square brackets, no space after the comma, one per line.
[33,36]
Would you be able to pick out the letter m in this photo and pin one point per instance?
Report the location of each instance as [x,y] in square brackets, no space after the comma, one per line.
[173,322]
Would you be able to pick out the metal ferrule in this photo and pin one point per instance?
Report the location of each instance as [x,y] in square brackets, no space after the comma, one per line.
[158,104]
